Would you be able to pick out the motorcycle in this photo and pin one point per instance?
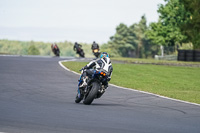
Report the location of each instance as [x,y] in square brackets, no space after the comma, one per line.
[56,51]
[94,89]
[96,52]
[81,52]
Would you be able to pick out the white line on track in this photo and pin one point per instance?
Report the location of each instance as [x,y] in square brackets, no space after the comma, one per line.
[60,62]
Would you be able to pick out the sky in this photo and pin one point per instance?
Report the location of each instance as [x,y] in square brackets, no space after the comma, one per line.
[71,20]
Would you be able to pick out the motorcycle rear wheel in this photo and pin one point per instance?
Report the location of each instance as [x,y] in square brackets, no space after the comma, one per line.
[82,54]
[92,94]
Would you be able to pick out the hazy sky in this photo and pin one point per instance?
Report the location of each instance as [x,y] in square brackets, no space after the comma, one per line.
[71,20]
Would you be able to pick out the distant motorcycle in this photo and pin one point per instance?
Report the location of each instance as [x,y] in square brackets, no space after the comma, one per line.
[96,52]
[56,50]
[94,88]
[81,52]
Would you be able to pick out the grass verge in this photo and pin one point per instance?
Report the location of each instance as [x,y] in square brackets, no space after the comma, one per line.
[156,62]
[172,81]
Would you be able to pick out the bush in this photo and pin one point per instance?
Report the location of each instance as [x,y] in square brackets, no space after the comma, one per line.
[32,50]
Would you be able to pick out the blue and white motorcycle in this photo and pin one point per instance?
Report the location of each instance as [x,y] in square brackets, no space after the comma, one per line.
[94,89]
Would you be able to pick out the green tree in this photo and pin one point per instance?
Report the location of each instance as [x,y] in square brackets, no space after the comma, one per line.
[192,26]
[32,50]
[120,42]
[140,37]
[131,41]
[166,31]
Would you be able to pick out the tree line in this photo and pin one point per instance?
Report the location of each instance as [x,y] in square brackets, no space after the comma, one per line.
[178,27]
[32,48]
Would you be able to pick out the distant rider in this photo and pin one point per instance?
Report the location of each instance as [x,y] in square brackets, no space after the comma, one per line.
[54,47]
[94,46]
[103,63]
[76,47]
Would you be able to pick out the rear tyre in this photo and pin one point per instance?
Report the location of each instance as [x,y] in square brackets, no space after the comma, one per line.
[92,94]
[82,54]
[57,54]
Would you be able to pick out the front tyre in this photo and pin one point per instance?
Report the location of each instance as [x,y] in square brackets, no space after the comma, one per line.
[92,94]
[96,55]
[78,99]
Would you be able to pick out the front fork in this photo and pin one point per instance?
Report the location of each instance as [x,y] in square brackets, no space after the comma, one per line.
[79,82]
[81,91]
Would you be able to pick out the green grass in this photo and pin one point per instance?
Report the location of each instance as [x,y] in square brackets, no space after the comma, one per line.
[153,61]
[176,82]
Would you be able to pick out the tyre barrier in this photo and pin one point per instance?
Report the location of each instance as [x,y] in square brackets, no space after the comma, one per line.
[189,55]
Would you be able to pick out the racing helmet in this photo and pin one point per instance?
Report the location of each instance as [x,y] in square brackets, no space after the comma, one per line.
[104,54]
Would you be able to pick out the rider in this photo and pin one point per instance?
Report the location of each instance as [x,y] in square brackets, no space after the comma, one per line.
[102,63]
[94,46]
[54,47]
[76,46]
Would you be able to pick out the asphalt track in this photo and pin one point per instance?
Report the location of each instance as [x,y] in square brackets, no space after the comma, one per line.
[37,96]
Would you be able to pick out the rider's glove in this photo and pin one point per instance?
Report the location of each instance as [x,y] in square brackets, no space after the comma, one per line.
[82,69]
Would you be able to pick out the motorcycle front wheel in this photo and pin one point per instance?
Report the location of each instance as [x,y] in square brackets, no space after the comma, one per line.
[78,99]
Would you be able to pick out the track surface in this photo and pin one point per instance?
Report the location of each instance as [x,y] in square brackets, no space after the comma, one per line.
[37,96]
